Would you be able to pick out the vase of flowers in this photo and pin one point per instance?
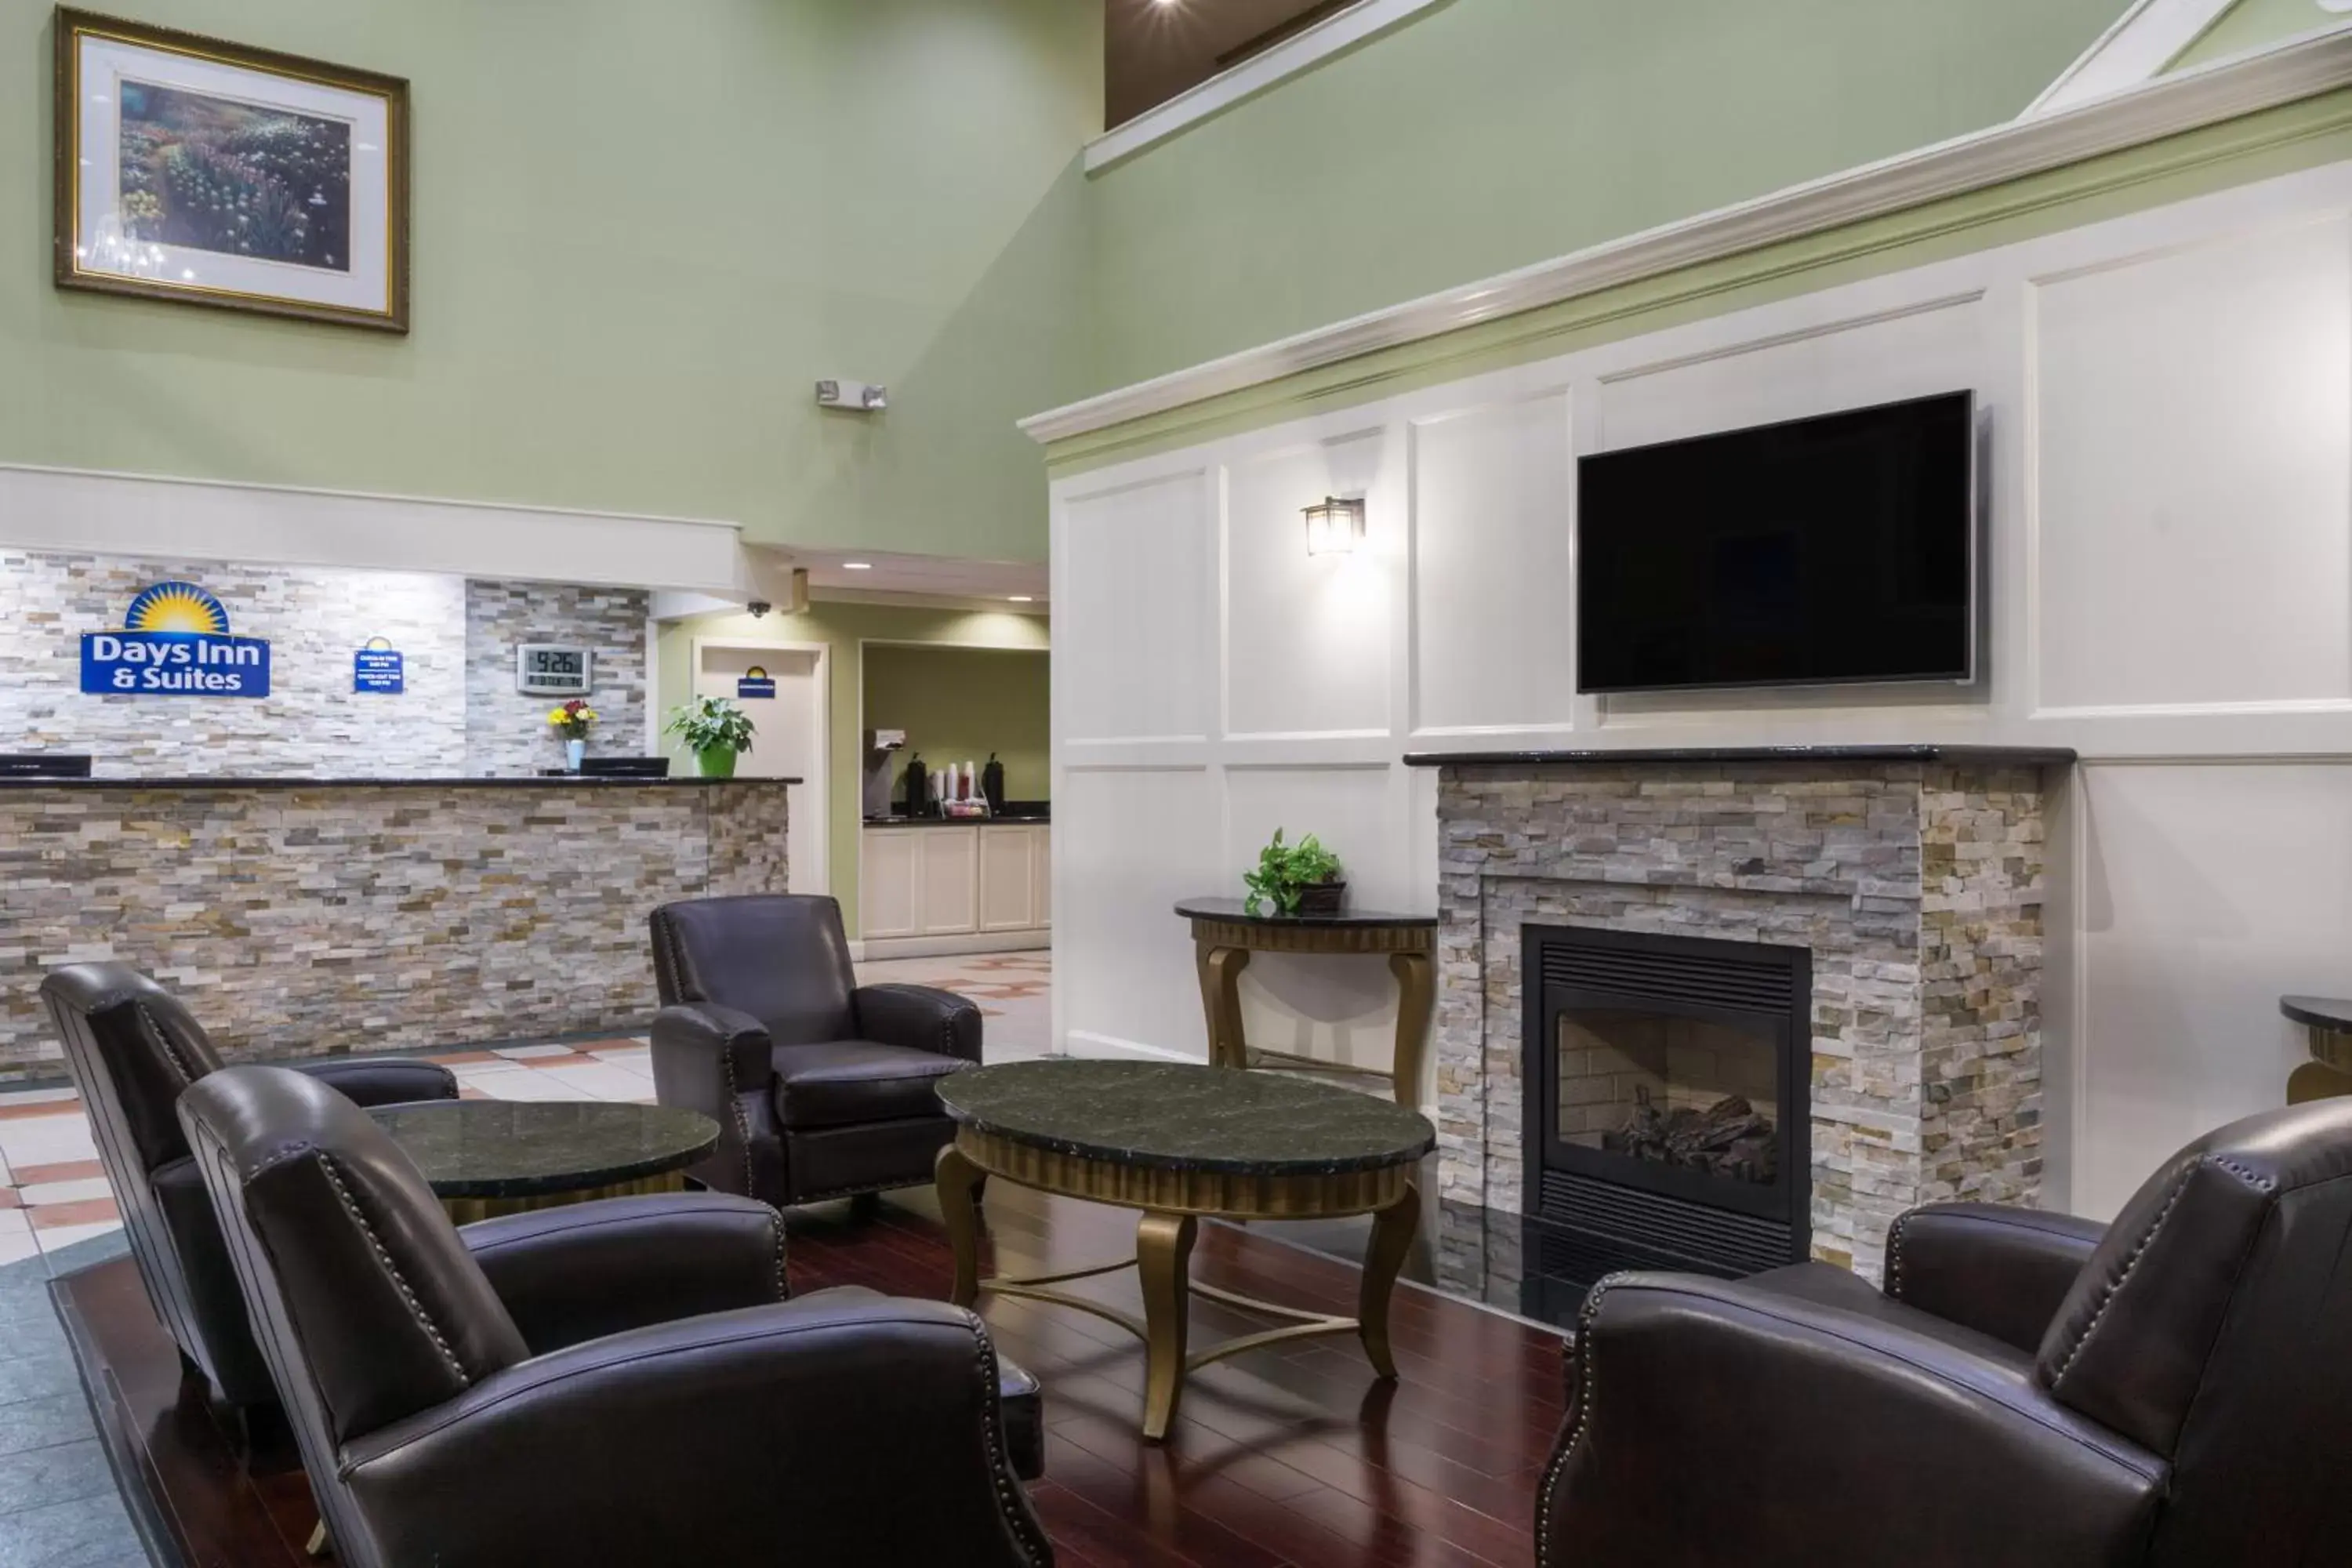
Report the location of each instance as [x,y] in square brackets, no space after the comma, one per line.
[715,730]
[572,722]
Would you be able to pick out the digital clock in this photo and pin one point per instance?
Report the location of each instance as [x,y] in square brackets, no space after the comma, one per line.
[553,669]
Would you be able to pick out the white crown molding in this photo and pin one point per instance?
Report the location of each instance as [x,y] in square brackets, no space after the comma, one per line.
[1036,607]
[2142,42]
[95,511]
[1342,30]
[2167,105]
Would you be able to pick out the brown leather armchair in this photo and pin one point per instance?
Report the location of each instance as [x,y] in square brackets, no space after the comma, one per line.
[822,1088]
[2030,1390]
[614,1383]
[132,1048]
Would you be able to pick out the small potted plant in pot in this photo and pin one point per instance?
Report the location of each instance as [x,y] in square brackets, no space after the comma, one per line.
[572,722]
[1301,879]
[715,730]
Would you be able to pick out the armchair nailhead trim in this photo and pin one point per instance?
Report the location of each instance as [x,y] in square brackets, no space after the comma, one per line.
[776,1231]
[2115,1286]
[1018,1520]
[1587,1389]
[171,1048]
[1895,1254]
[735,1110]
[391,1270]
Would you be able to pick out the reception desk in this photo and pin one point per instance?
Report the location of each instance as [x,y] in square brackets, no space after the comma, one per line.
[307,917]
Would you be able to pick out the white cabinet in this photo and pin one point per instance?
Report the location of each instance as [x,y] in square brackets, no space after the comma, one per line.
[1040,875]
[951,896]
[892,884]
[1008,879]
[992,883]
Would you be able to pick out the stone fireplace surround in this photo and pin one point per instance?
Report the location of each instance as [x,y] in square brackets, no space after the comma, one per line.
[1913,874]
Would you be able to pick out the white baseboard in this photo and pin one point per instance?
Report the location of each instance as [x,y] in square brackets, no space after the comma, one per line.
[1083,1042]
[877,947]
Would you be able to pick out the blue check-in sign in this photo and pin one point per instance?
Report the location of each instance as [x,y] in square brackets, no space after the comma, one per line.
[175,642]
[378,670]
[755,682]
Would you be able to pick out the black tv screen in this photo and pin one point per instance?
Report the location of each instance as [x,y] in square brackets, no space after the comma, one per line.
[1827,550]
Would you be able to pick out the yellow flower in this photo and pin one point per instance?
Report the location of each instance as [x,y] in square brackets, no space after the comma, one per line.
[555,715]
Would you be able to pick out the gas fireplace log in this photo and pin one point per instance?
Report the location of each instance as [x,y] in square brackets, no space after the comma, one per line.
[1728,1138]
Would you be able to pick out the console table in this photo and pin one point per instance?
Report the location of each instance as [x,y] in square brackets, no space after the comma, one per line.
[1224,935]
[2328,1073]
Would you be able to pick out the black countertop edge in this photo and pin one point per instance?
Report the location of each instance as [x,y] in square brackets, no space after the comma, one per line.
[1235,911]
[687,781]
[2318,1012]
[1040,819]
[1981,756]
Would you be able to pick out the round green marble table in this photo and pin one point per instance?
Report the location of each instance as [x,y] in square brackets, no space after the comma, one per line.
[1180,1143]
[487,1157]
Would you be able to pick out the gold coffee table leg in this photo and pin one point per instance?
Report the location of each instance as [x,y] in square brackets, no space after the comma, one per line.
[1392,1233]
[958,1183]
[1163,1254]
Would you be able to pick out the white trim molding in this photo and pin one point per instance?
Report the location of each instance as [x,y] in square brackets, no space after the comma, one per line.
[1339,32]
[2145,39]
[2294,69]
[91,511]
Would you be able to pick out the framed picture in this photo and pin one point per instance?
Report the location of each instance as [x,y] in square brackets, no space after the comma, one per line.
[197,170]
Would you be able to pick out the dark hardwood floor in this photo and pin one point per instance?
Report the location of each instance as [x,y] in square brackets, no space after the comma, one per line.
[1290,1456]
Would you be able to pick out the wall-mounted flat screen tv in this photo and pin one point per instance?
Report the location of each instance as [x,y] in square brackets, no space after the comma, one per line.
[1830,550]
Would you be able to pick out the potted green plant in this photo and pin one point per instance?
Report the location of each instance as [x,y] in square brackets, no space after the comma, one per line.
[1301,879]
[715,730]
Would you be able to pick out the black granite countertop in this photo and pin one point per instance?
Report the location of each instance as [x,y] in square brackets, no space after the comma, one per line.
[565,780]
[1024,819]
[1173,1117]
[517,1149]
[1235,911]
[2319,1011]
[1978,756]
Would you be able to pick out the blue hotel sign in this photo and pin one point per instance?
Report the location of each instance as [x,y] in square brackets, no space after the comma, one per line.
[175,642]
[755,682]
[377,668]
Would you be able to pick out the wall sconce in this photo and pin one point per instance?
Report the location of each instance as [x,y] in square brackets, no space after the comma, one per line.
[1335,527]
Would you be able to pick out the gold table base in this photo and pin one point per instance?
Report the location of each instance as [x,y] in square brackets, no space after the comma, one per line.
[465,1211]
[1173,1202]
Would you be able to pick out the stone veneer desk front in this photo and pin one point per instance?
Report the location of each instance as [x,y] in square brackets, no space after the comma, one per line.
[310,917]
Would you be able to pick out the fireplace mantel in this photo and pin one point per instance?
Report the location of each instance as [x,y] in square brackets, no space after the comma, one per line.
[1971,756]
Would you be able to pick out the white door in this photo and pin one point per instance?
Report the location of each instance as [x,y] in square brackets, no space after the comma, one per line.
[788,738]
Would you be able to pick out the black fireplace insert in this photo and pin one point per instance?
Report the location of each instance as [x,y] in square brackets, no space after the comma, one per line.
[1668,1083]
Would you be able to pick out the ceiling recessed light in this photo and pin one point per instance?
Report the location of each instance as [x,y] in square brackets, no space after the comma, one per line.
[857,566]
[1022,598]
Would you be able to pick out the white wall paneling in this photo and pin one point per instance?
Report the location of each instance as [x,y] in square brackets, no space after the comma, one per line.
[2194,425]
[1493,631]
[1132,579]
[1307,638]
[2207,891]
[2166,445]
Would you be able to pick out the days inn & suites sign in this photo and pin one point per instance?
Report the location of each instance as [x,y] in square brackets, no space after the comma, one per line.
[175,642]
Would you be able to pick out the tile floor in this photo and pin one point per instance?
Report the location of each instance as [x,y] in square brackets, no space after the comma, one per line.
[58,1506]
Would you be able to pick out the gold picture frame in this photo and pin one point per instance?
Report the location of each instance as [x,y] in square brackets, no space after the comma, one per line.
[194,169]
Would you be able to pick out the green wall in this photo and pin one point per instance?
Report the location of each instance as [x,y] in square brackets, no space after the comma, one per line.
[957,705]
[642,231]
[843,627]
[2250,23]
[1490,134]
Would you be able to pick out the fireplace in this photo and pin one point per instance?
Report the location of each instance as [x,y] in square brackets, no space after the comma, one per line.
[1668,1107]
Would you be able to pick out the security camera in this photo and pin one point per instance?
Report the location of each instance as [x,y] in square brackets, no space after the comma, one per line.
[759,607]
